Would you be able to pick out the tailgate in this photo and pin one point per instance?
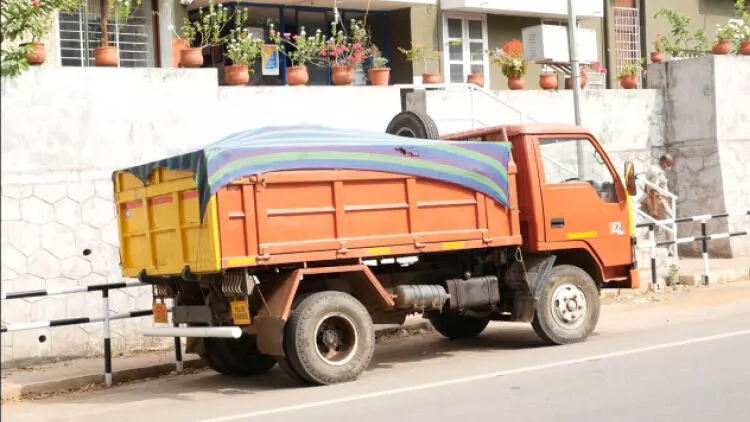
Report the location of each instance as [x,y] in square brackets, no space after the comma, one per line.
[159,225]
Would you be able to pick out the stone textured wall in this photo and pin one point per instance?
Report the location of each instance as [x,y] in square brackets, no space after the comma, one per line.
[707,132]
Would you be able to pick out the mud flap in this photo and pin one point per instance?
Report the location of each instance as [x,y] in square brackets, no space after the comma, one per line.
[526,281]
[270,332]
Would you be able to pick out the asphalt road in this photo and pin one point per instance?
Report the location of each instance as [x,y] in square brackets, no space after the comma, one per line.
[681,361]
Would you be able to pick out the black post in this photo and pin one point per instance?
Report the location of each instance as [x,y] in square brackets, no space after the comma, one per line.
[177,351]
[107,344]
[704,246]
[652,239]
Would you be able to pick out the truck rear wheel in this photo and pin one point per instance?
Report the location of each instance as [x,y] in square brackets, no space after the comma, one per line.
[238,357]
[568,307]
[329,338]
[455,326]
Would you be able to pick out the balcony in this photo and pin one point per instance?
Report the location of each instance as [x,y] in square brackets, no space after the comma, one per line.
[547,9]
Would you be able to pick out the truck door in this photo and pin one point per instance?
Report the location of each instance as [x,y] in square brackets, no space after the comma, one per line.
[583,198]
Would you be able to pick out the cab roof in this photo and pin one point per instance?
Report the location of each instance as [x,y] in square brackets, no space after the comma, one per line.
[519,129]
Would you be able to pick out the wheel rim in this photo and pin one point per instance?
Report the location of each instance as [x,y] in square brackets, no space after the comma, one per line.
[569,306]
[406,132]
[336,339]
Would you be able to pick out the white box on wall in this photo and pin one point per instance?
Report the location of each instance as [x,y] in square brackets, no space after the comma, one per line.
[549,44]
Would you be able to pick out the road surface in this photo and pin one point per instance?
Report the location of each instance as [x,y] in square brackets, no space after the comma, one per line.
[684,360]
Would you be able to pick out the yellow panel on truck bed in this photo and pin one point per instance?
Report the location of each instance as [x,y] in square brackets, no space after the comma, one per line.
[160,229]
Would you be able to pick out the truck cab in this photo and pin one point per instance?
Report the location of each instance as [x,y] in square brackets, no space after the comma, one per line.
[571,199]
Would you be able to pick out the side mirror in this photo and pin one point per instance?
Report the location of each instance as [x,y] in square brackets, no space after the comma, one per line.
[629,174]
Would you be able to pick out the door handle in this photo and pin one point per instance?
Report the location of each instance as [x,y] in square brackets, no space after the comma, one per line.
[558,223]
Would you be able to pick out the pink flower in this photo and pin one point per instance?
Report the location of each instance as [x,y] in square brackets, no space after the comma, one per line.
[322,53]
[604,70]
[295,38]
[344,48]
[287,35]
[357,46]
[35,3]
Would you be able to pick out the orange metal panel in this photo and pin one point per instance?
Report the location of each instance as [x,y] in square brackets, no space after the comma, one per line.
[301,216]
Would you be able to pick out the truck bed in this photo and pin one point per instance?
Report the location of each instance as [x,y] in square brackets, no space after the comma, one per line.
[302,216]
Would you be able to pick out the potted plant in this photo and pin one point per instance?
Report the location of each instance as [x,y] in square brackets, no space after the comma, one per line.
[657,56]
[242,50]
[682,43]
[24,19]
[300,49]
[513,65]
[419,53]
[343,51]
[723,42]
[741,26]
[548,79]
[379,74]
[628,75]
[204,32]
[106,55]
[583,78]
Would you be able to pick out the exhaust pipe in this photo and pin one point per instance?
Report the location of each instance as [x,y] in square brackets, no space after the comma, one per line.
[222,332]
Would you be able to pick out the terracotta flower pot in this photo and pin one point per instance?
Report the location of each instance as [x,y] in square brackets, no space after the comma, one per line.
[380,76]
[37,55]
[722,47]
[237,74]
[629,82]
[548,81]
[297,75]
[342,75]
[105,56]
[476,79]
[745,48]
[516,82]
[191,57]
[430,78]
[657,57]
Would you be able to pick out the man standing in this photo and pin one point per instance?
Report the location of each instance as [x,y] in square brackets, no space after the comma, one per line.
[656,204]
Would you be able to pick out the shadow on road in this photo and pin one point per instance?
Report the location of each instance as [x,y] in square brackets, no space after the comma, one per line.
[388,354]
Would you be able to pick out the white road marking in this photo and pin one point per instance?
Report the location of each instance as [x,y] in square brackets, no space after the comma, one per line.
[464,380]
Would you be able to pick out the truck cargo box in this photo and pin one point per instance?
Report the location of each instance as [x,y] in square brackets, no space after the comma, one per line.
[321,195]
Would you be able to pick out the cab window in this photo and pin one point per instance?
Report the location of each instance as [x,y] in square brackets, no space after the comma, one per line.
[575,161]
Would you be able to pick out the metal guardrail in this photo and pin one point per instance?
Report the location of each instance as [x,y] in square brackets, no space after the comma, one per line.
[105,318]
[703,238]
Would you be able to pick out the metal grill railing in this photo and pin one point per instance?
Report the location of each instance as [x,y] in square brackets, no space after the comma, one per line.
[81,32]
[627,27]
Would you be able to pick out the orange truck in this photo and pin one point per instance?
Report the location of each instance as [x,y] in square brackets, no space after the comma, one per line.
[289,256]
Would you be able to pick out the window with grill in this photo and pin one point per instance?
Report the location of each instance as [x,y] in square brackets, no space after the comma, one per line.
[81,33]
[627,38]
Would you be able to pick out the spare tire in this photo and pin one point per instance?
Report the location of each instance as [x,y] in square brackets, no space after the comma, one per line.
[413,124]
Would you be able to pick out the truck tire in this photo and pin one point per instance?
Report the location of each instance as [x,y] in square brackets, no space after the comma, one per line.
[568,307]
[329,338]
[238,357]
[455,326]
[412,124]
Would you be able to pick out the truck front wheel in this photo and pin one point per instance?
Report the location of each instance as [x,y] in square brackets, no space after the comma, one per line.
[568,307]
[329,338]
[239,357]
[456,326]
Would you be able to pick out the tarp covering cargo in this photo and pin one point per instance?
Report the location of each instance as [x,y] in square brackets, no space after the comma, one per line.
[481,166]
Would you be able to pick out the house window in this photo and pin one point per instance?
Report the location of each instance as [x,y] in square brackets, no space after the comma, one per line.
[465,41]
[81,33]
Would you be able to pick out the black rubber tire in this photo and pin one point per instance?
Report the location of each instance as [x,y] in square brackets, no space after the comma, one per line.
[300,338]
[238,357]
[412,124]
[455,326]
[287,368]
[544,323]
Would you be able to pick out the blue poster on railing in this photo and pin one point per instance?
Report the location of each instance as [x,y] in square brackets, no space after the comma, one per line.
[270,57]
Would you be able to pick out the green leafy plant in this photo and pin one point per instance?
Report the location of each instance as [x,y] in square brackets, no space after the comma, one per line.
[343,49]
[242,48]
[379,62]
[419,54]
[207,30]
[683,42]
[510,58]
[724,33]
[631,69]
[300,48]
[123,9]
[659,43]
[24,20]
[673,276]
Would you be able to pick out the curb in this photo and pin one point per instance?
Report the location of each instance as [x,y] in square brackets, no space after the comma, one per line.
[12,391]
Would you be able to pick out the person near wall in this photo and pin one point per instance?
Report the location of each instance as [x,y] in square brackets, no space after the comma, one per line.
[654,203]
